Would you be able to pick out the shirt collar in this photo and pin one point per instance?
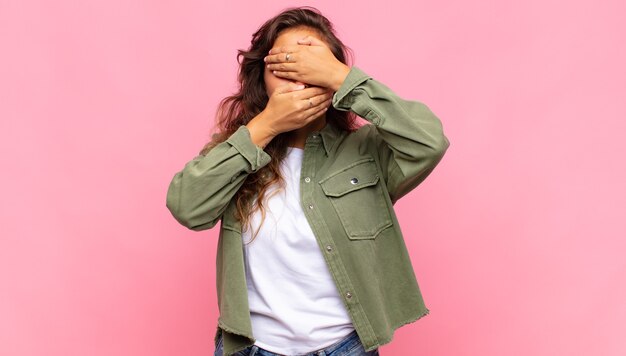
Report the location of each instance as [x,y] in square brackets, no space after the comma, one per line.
[329,134]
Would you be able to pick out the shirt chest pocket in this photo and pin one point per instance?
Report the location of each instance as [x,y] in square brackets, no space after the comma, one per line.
[358,198]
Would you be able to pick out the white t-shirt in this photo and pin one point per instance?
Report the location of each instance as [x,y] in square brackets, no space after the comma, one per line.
[295,307]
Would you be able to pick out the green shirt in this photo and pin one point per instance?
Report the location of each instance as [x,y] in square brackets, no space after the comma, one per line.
[349,185]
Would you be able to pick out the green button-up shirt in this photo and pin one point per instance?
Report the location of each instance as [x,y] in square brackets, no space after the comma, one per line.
[349,185]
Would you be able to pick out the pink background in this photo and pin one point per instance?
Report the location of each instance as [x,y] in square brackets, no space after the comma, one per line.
[517,238]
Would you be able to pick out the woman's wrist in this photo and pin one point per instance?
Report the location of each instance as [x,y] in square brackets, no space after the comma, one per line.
[340,76]
[260,133]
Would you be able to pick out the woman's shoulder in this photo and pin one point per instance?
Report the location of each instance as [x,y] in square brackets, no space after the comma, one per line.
[361,133]
[360,140]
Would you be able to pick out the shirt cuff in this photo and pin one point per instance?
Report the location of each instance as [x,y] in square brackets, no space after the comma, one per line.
[253,153]
[341,98]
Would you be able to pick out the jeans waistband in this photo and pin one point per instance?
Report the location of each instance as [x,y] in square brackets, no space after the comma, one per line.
[350,338]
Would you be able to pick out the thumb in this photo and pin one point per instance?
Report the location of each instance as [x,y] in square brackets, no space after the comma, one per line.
[291,86]
[299,83]
[310,40]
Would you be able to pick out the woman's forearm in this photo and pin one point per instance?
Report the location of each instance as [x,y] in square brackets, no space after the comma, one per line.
[260,133]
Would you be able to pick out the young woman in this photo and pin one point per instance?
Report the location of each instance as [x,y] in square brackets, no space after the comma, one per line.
[310,257]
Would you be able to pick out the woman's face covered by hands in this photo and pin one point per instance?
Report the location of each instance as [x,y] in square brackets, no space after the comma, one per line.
[288,37]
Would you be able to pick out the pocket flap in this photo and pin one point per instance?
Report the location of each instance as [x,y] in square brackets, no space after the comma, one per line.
[357,175]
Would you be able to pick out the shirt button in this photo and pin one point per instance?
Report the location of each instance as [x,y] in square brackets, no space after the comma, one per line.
[310,206]
[348,295]
[307,179]
[329,248]
[354,180]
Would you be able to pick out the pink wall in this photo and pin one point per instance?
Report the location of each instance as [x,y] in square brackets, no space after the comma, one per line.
[517,239]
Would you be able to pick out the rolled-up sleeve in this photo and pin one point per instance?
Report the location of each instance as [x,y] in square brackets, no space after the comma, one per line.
[408,138]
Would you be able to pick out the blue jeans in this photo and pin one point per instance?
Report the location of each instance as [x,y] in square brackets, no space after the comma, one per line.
[348,346]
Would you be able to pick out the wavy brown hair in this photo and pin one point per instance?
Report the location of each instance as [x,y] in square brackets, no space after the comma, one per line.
[251,98]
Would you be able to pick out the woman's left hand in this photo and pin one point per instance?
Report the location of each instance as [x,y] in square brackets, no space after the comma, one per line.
[311,62]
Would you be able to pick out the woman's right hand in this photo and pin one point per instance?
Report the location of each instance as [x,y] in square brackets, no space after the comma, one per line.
[292,106]
[287,109]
